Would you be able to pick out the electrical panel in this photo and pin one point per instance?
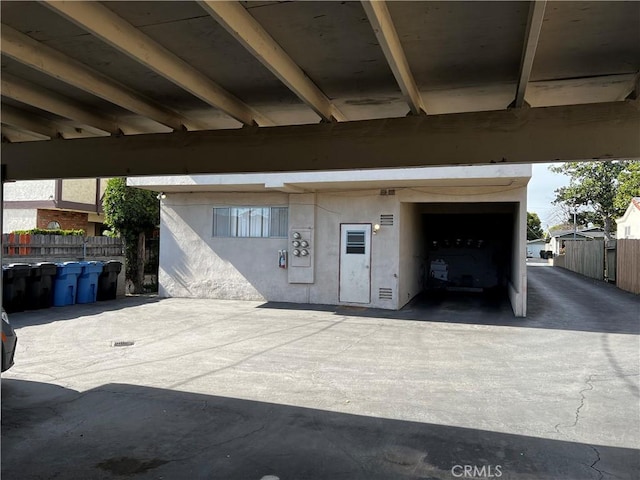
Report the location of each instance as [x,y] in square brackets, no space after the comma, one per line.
[301,255]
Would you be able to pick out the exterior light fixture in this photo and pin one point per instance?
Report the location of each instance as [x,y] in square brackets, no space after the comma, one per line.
[376,227]
[161,196]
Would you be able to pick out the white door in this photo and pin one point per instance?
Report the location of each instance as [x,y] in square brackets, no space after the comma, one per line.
[355,263]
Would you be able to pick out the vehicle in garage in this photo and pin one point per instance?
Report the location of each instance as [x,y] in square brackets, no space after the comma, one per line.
[9,341]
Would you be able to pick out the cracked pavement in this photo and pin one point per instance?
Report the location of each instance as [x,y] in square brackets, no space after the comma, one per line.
[241,390]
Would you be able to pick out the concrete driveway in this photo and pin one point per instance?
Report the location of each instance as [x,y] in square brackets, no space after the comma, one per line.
[447,388]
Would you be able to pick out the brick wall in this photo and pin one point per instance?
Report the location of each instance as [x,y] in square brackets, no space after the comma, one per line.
[67,220]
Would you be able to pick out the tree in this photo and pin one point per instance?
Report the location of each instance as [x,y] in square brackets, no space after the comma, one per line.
[629,186]
[596,186]
[131,213]
[534,226]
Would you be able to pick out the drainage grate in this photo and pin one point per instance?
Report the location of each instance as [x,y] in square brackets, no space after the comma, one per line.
[385,294]
[123,343]
[386,219]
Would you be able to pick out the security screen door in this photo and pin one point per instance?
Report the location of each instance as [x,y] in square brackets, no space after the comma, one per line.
[355,263]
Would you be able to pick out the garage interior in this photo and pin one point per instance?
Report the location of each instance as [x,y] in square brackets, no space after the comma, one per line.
[468,248]
[464,251]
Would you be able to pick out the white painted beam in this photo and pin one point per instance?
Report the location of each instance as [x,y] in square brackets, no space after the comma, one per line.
[49,101]
[245,29]
[532,35]
[385,31]
[570,133]
[34,54]
[114,30]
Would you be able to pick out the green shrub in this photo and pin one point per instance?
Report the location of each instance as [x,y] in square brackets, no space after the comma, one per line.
[42,231]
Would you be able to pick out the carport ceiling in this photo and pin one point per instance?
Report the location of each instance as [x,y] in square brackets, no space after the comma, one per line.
[165,87]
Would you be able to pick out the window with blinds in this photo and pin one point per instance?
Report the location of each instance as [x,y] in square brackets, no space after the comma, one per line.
[250,222]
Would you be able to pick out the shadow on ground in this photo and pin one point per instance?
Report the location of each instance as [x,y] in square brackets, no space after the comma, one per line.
[72,312]
[125,430]
[557,299]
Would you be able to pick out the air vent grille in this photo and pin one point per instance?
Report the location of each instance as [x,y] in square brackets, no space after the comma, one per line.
[385,294]
[386,219]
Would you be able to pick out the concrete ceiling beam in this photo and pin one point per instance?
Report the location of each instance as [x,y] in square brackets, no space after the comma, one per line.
[115,31]
[385,30]
[532,35]
[569,133]
[11,134]
[245,29]
[38,56]
[30,94]
[16,118]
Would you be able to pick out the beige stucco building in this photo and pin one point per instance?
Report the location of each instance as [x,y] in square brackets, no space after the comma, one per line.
[69,204]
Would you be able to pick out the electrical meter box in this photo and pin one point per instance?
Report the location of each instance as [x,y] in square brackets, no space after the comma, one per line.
[301,259]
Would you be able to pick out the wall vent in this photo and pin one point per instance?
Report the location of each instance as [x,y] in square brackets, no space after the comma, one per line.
[385,294]
[383,191]
[391,191]
[386,219]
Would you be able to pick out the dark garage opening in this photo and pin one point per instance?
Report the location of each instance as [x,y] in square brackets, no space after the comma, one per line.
[467,253]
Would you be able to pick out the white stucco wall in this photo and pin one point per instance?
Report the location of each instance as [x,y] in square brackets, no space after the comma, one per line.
[29,190]
[195,264]
[411,254]
[631,219]
[336,208]
[19,219]
[394,175]
[518,281]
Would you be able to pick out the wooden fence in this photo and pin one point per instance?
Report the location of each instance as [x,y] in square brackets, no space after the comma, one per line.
[628,265]
[585,258]
[54,246]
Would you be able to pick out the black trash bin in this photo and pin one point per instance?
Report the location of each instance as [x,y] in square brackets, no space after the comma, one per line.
[14,286]
[108,280]
[40,285]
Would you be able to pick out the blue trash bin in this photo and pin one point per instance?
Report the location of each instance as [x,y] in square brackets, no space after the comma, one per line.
[88,282]
[66,283]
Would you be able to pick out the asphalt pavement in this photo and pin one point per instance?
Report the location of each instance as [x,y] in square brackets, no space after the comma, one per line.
[453,387]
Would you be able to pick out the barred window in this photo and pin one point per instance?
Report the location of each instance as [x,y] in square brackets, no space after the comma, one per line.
[254,222]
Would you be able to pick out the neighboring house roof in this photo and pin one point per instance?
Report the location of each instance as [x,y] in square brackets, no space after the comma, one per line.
[537,240]
[635,202]
[565,234]
[580,233]
[593,232]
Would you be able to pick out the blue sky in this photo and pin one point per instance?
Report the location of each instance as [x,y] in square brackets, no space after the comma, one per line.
[540,194]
